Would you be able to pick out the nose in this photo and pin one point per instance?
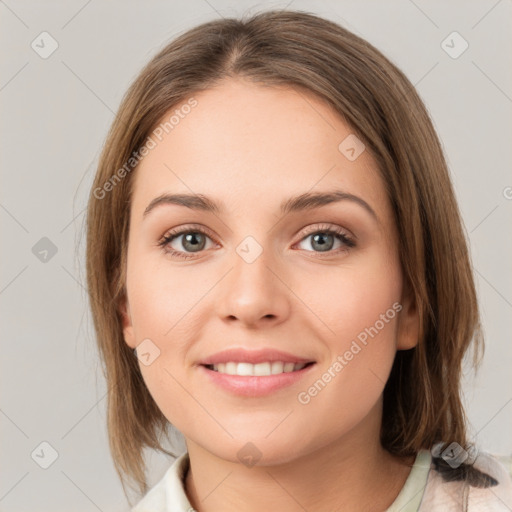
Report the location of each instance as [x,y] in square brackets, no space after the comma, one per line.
[254,293]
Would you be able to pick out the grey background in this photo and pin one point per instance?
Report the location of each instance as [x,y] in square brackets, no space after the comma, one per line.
[55,113]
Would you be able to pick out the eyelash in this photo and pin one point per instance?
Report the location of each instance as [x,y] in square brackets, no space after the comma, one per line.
[339,233]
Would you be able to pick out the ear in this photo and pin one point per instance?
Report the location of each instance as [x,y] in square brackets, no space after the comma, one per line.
[409,322]
[128,333]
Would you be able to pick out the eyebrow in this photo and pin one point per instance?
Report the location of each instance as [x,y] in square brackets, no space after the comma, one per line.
[306,201]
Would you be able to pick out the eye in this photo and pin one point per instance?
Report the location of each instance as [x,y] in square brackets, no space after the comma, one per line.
[324,238]
[191,239]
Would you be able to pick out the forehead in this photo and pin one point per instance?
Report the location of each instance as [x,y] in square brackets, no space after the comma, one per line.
[246,143]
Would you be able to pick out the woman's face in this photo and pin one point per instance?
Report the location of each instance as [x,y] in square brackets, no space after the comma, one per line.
[267,270]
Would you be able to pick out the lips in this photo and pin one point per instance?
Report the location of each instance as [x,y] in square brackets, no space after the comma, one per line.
[255,385]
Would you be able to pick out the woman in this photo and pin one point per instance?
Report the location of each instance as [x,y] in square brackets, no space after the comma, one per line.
[277,268]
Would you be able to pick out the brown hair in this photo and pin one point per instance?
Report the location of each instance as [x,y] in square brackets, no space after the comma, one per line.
[422,401]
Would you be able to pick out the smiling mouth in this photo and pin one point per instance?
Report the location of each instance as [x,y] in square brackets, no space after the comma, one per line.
[264,369]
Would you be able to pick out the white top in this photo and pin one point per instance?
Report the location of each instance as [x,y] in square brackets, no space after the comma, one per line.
[432,485]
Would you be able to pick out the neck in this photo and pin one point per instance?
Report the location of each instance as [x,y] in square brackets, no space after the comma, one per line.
[354,470]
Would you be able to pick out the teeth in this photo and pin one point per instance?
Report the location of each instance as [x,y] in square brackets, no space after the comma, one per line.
[259,370]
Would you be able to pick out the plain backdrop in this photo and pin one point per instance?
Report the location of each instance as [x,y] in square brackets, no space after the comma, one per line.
[55,112]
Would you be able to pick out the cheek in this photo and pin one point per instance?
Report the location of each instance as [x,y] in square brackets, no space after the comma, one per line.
[361,348]
[159,295]
[168,306]
[162,309]
[350,299]
[358,309]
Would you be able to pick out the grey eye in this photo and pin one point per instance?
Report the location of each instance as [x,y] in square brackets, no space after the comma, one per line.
[193,241]
[320,241]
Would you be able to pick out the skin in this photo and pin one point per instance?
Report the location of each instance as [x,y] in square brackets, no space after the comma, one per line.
[252,147]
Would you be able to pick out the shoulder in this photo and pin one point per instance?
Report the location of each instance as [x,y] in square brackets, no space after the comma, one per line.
[168,493]
[154,499]
[499,492]
[482,485]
